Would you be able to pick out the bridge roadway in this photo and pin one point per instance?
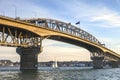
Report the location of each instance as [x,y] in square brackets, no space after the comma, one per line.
[27,36]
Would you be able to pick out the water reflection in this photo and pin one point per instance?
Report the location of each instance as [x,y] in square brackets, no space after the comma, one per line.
[28,75]
[35,75]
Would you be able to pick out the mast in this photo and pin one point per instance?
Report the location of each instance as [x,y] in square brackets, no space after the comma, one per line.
[56,65]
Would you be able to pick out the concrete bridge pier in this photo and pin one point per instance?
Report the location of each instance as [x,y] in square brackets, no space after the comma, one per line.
[97,62]
[119,63]
[114,64]
[28,57]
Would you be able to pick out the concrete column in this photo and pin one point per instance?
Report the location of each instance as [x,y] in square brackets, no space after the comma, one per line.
[114,64]
[119,63]
[97,62]
[28,57]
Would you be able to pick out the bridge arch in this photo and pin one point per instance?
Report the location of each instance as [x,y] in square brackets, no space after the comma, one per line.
[47,32]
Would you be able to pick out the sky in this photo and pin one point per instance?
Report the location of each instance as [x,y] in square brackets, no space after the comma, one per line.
[101,18]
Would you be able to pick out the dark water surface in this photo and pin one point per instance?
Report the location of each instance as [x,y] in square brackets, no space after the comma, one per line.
[61,74]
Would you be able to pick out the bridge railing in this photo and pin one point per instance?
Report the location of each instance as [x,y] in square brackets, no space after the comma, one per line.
[64,27]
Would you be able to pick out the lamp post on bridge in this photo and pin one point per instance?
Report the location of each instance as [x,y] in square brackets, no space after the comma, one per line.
[3,13]
[15,10]
[35,14]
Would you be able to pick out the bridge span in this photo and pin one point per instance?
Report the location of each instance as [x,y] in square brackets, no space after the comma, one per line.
[27,36]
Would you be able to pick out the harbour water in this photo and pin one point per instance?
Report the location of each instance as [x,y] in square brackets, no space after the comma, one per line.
[60,74]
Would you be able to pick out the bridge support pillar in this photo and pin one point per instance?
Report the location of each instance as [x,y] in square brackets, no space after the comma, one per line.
[28,58]
[97,62]
[119,63]
[114,64]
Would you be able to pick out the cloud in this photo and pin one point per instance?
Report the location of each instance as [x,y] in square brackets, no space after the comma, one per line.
[60,53]
[25,9]
[99,15]
[107,17]
[48,42]
[9,53]
[113,44]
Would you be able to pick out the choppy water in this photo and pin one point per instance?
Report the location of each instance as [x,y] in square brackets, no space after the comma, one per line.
[64,74]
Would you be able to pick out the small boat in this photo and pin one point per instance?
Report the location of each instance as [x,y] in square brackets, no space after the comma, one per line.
[55,65]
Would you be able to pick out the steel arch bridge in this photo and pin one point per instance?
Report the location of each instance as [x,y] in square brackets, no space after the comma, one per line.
[31,32]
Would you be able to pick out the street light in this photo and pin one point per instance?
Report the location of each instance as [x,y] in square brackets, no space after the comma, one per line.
[3,13]
[35,14]
[15,10]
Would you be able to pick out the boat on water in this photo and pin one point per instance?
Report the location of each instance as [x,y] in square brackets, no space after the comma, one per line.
[55,65]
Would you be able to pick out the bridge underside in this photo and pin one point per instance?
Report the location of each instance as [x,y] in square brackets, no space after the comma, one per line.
[74,42]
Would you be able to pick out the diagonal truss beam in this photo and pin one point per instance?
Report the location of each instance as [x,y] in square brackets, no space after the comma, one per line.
[19,38]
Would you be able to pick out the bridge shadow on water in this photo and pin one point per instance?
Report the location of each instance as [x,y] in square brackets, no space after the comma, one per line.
[29,75]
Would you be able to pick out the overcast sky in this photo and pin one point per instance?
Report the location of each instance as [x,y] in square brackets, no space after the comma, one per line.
[101,18]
